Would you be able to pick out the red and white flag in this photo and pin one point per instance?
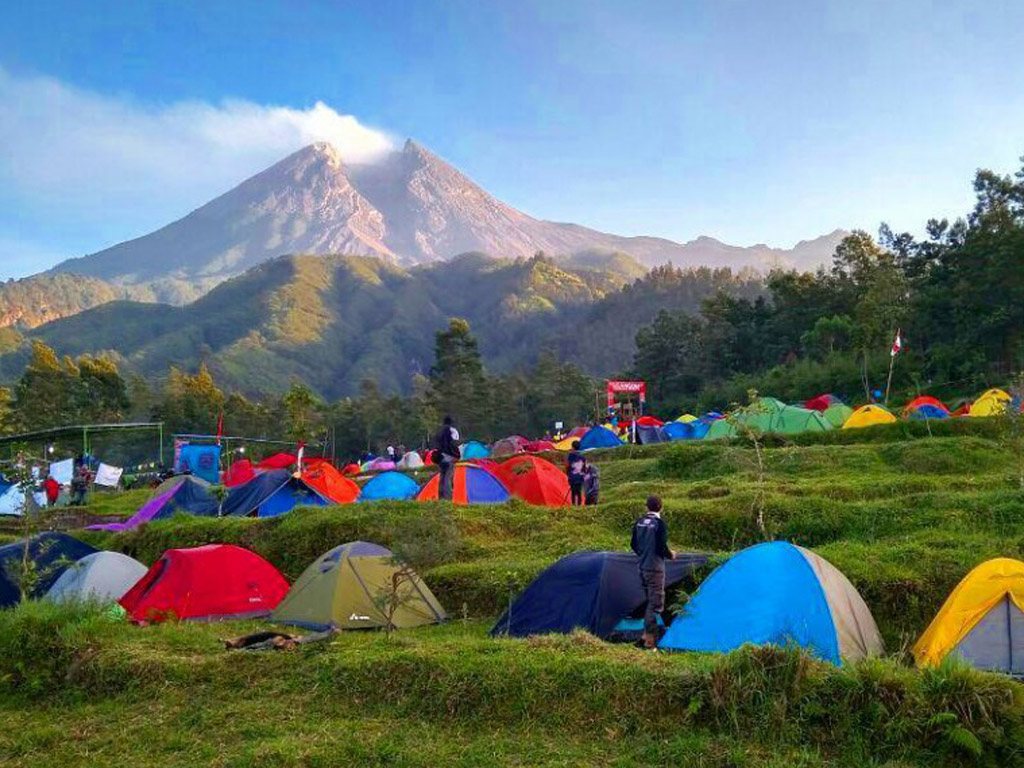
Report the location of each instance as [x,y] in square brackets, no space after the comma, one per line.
[897,345]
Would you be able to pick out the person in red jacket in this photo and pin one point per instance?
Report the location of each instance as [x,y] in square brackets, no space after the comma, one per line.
[52,488]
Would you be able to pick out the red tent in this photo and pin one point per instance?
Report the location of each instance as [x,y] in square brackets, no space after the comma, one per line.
[239,473]
[821,403]
[535,481]
[279,461]
[539,446]
[217,581]
[322,477]
[351,470]
[649,421]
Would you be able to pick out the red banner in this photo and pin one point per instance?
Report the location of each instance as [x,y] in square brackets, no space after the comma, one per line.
[629,387]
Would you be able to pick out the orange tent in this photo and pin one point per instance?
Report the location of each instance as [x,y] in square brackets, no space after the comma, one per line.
[535,481]
[330,483]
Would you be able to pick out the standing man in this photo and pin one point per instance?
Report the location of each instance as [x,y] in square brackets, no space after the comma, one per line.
[446,453]
[650,544]
[574,467]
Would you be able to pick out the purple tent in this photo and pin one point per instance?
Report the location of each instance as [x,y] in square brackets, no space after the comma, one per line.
[148,511]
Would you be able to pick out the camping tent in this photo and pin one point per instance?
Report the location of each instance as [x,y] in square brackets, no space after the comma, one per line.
[102,577]
[982,621]
[767,414]
[992,402]
[239,473]
[327,481]
[535,481]
[688,430]
[271,493]
[182,494]
[474,449]
[344,589]
[389,485]
[777,593]
[509,446]
[649,421]
[200,460]
[279,461]
[12,499]
[411,460]
[599,437]
[539,446]
[565,444]
[869,416]
[837,414]
[472,484]
[586,590]
[822,403]
[50,554]
[650,435]
[925,407]
[686,418]
[214,581]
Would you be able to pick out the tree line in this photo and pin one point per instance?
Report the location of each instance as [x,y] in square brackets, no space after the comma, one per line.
[957,296]
[57,392]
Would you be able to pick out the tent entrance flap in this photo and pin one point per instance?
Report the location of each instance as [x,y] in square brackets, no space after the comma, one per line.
[997,641]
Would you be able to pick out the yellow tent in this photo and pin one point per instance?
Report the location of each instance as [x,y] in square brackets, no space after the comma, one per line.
[686,418]
[990,599]
[566,444]
[868,416]
[991,403]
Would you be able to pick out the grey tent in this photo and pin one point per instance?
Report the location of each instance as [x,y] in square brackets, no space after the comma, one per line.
[102,577]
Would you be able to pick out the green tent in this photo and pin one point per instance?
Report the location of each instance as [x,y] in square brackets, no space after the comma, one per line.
[837,414]
[770,415]
[348,587]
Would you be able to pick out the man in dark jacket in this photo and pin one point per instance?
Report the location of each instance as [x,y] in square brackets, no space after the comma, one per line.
[446,453]
[650,543]
[574,468]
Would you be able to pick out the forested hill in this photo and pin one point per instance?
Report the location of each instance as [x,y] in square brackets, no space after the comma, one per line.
[336,321]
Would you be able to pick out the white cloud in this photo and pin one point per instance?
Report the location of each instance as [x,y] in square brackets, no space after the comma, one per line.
[69,152]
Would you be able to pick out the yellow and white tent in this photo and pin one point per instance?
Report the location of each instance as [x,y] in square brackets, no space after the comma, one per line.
[992,402]
[868,416]
[982,621]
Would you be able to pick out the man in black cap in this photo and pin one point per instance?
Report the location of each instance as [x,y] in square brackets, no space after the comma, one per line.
[650,543]
[446,453]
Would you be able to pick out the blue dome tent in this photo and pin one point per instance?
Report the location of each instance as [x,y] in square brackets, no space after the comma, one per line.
[599,437]
[389,485]
[777,593]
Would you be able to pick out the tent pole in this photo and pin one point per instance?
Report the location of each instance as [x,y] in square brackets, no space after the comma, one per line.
[888,383]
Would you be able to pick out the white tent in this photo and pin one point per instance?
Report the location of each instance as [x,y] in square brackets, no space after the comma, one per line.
[12,500]
[103,577]
[411,460]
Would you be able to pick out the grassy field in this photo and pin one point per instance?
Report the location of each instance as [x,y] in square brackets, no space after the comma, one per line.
[904,515]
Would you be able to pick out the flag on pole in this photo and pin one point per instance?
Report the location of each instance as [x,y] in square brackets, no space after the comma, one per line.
[897,345]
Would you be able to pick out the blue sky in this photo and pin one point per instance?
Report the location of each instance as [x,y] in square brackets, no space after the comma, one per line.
[748,121]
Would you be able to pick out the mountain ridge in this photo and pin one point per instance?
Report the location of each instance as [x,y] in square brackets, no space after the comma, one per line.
[410,207]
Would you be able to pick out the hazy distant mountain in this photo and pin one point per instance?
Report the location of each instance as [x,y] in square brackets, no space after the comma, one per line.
[410,208]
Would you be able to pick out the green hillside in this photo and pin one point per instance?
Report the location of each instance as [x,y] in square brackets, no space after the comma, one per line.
[335,321]
[903,515]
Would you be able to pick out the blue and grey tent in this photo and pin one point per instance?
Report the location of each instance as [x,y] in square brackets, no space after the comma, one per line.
[271,493]
[599,437]
[586,590]
[779,594]
[395,486]
[50,553]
